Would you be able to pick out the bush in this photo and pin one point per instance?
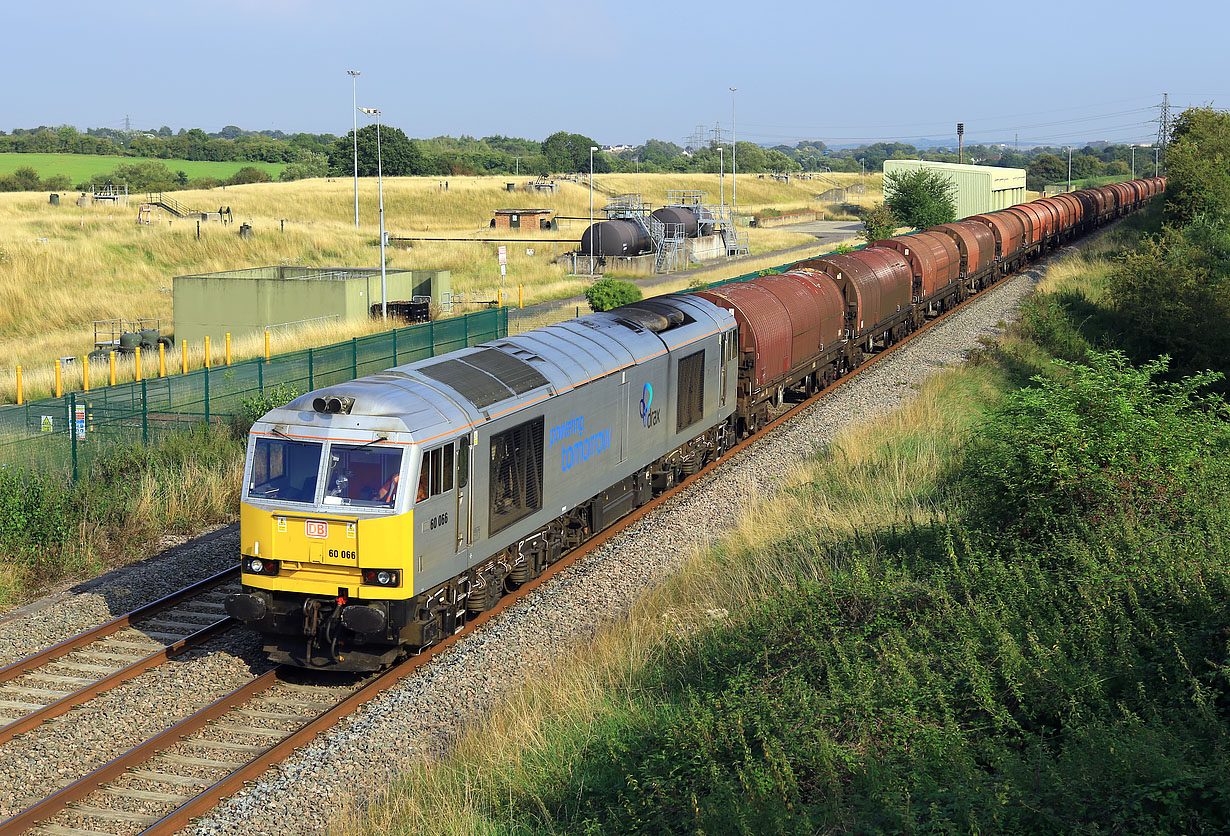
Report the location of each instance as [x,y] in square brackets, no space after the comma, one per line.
[921,198]
[248,174]
[879,223]
[1105,444]
[254,408]
[204,183]
[605,294]
[57,183]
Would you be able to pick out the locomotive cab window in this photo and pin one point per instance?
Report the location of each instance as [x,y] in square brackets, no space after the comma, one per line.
[362,475]
[516,474]
[436,472]
[284,470]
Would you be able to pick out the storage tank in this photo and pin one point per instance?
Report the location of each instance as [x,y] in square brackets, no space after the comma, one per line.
[611,238]
[679,215]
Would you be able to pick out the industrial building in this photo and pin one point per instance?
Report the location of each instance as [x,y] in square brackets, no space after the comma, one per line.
[980,188]
[241,302]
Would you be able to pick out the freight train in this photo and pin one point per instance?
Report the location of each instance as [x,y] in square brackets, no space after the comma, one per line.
[379,515]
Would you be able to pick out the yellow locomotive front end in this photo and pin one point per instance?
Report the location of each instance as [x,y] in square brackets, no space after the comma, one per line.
[326,544]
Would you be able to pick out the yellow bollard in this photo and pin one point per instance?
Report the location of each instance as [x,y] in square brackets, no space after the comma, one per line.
[137,365]
[85,372]
[228,348]
[183,353]
[20,399]
[266,345]
[499,298]
[162,360]
[207,351]
[113,368]
[59,381]
[520,296]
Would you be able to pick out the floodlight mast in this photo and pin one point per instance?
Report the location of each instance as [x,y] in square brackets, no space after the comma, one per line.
[384,294]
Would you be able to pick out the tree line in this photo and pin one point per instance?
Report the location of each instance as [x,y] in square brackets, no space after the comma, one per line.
[317,155]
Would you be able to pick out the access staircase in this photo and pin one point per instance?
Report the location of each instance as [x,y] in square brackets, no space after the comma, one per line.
[172,205]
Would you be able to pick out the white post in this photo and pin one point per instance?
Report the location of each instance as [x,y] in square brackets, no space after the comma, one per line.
[721,173]
[384,293]
[1069,168]
[592,149]
[354,85]
[734,145]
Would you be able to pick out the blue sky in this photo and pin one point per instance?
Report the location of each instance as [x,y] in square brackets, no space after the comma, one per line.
[620,72]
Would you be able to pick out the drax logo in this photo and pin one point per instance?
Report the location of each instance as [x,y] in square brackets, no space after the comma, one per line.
[649,416]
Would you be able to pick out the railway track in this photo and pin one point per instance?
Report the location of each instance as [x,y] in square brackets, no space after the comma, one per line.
[159,786]
[49,683]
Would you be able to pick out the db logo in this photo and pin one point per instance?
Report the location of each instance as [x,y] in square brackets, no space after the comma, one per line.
[319,530]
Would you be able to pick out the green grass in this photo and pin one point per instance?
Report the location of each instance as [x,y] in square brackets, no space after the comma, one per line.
[81,167]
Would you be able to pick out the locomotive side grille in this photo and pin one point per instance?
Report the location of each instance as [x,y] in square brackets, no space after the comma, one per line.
[690,407]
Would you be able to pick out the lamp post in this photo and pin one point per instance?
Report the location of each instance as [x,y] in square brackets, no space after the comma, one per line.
[722,173]
[1133,161]
[592,149]
[862,173]
[384,296]
[354,92]
[734,182]
[1069,147]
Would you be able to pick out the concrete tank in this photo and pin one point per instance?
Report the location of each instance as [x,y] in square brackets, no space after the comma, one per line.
[610,238]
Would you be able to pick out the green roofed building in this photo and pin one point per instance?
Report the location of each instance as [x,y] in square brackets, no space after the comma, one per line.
[242,302]
[980,188]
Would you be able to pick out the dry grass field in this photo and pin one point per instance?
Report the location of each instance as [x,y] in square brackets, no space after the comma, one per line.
[63,267]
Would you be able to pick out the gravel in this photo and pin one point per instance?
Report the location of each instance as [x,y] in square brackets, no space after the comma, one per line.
[417,717]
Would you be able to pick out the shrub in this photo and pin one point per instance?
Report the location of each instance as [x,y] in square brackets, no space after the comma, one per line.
[879,223]
[921,198]
[248,174]
[254,408]
[1104,444]
[605,294]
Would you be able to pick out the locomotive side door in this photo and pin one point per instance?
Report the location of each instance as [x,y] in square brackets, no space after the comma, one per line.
[464,515]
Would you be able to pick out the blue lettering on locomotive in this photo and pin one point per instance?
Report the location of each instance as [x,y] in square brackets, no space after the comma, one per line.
[573,426]
[585,449]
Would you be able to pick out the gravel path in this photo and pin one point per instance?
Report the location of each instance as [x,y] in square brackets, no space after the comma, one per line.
[367,749]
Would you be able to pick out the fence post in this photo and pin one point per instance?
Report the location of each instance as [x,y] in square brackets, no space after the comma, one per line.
[145,414]
[431,337]
[260,376]
[311,372]
[466,319]
[72,428]
[207,394]
[395,330]
[354,357]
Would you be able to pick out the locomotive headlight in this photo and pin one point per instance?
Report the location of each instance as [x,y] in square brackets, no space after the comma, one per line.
[260,566]
[381,577]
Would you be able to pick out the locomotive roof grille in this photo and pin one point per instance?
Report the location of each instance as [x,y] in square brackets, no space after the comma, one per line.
[486,377]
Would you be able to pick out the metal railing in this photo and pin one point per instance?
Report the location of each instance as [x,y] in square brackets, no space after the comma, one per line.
[170,204]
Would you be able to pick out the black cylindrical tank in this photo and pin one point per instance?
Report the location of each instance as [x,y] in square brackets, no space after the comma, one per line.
[678,215]
[608,238]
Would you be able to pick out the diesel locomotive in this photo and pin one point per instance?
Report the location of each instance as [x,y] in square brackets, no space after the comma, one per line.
[379,515]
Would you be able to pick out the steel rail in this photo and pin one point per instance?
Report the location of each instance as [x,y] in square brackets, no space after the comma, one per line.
[112,680]
[23,666]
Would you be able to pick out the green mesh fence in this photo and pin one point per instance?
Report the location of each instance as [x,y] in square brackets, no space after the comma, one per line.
[68,434]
